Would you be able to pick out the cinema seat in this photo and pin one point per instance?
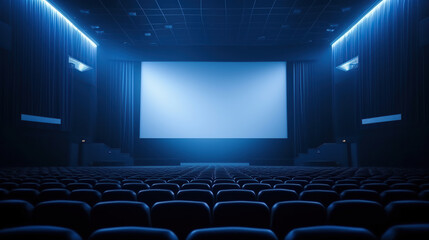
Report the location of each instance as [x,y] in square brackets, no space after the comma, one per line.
[256,187]
[3,193]
[202,186]
[39,233]
[54,194]
[301,182]
[397,194]
[235,195]
[151,181]
[181,216]
[407,212]
[424,195]
[273,196]
[288,215]
[168,186]
[119,195]
[74,186]
[133,233]
[151,196]
[317,186]
[178,181]
[136,187]
[362,194]
[15,213]
[66,181]
[323,181]
[89,196]
[325,197]
[292,186]
[198,180]
[241,213]
[223,186]
[223,180]
[241,182]
[330,233]
[339,188]
[101,187]
[232,233]
[69,214]
[90,181]
[50,185]
[27,194]
[196,195]
[407,232]
[271,182]
[9,185]
[378,187]
[406,186]
[31,185]
[358,213]
[120,213]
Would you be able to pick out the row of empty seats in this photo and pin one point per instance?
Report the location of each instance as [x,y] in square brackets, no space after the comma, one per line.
[190,200]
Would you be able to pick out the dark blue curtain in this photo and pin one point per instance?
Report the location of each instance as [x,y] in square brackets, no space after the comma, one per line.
[389,79]
[311,106]
[42,42]
[117,89]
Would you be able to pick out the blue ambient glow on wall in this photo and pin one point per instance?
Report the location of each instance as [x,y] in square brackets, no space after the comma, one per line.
[382,119]
[48,4]
[213,100]
[366,17]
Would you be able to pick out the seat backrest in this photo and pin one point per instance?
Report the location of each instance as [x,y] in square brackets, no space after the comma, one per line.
[272,182]
[358,213]
[406,186]
[256,187]
[407,212]
[3,193]
[74,186]
[101,187]
[9,185]
[39,232]
[196,195]
[360,194]
[28,194]
[407,232]
[169,186]
[288,215]
[273,196]
[235,195]
[331,233]
[325,197]
[32,185]
[223,186]
[232,233]
[129,233]
[151,196]
[63,213]
[397,194]
[89,196]
[292,186]
[181,216]
[151,181]
[424,195]
[339,188]
[203,186]
[298,181]
[136,187]
[119,195]
[54,194]
[49,185]
[241,182]
[378,187]
[120,213]
[317,186]
[241,213]
[15,213]
[178,181]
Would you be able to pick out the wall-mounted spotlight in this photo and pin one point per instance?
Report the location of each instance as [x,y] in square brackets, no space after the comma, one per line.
[78,65]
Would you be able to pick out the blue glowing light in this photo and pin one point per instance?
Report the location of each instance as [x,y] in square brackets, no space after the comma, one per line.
[368,15]
[349,65]
[39,119]
[213,164]
[388,118]
[49,5]
[78,65]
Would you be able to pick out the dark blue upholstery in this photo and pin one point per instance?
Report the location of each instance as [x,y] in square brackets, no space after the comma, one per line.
[330,233]
[119,195]
[89,196]
[235,195]
[407,232]
[241,213]
[15,213]
[196,195]
[133,233]
[408,212]
[151,196]
[38,233]
[232,233]
[273,196]
[325,197]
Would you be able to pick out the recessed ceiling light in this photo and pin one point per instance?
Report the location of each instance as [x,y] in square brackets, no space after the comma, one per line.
[330,30]
[99,32]
[133,14]
[297,11]
[168,26]
[261,38]
[346,9]
[148,34]
[95,27]
[84,11]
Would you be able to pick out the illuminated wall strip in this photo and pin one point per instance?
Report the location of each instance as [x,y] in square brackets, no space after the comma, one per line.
[369,14]
[349,65]
[78,65]
[214,164]
[39,119]
[388,118]
[69,22]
